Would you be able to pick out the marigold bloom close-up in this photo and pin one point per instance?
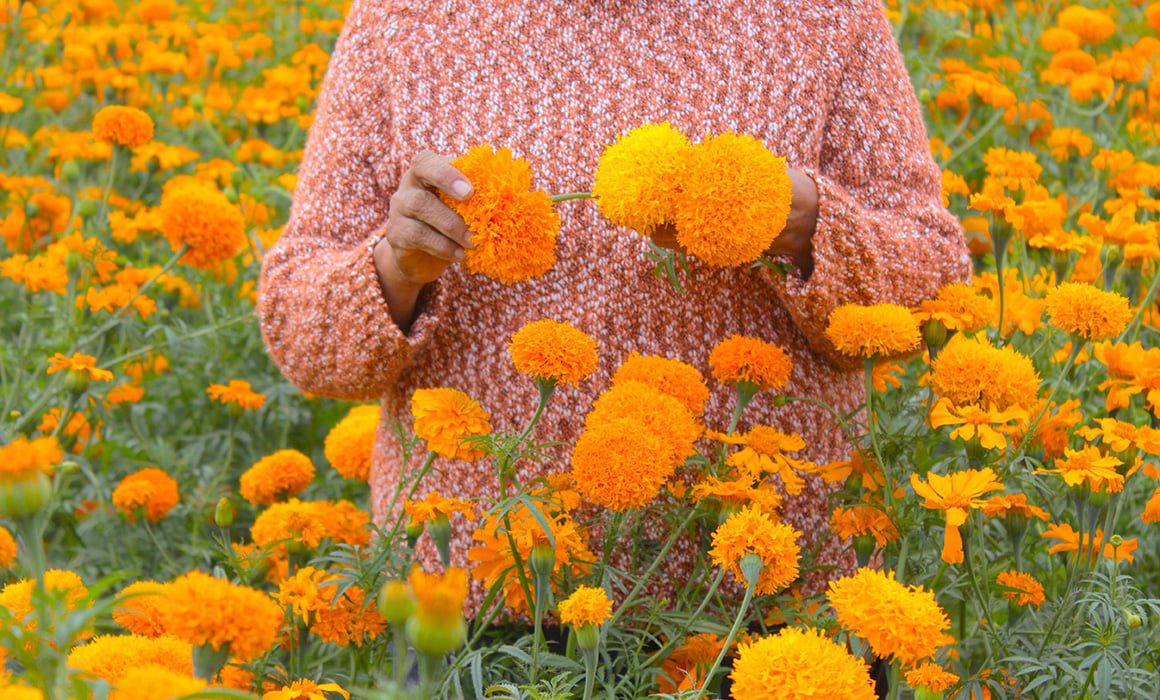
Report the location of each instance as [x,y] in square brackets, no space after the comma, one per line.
[23,456]
[16,597]
[686,666]
[1027,591]
[957,307]
[79,364]
[305,689]
[436,506]
[1090,465]
[149,491]
[125,126]
[956,493]
[276,476]
[446,418]
[672,377]
[111,657]
[237,392]
[140,611]
[621,464]
[665,417]
[971,371]
[932,677]
[638,179]
[764,452]
[155,682]
[351,442]
[587,605]
[752,531]
[308,523]
[876,331]
[797,664]
[203,219]
[739,358]
[207,611]
[1088,311]
[553,351]
[901,622]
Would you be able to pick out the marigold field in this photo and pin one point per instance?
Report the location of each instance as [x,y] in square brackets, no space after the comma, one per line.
[179,521]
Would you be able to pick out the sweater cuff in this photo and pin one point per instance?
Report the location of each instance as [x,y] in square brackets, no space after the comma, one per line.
[428,310]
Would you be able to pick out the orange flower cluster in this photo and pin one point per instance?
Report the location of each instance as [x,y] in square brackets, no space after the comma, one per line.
[150,491]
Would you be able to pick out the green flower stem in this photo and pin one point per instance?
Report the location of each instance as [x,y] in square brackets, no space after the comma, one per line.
[571,195]
[1076,345]
[109,183]
[872,430]
[675,642]
[543,587]
[982,601]
[1134,326]
[30,531]
[647,575]
[419,474]
[751,584]
[398,653]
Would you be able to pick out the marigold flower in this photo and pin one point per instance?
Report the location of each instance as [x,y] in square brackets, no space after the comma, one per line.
[1013,504]
[23,457]
[446,418]
[639,177]
[863,520]
[734,200]
[899,621]
[876,331]
[307,523]
[739,359]
[124,393]
[957,306]
[664,417]
[202,218]
[685,667]
[553,351]
[1151,512]
[434,506]
[672,377]
[1090,25]
[955,493]
[437,627]
[351,442]
[797,664]
[238,392]
[349,619]
[1027,591]
[1090,465]
[124,126]
[587,605]
[79,364]
[931,676]
[16,597]
[111,657]
[305,689]
[621,464]
[739,492]
[970,371]
[283,474]
[1069,541]
[300,591]
[139,609]
[207,611]
[513,230]
[7,548]
[150,491]
[1117,435]
[752,531]
[154,682]
[1088,311]
[972,421]
[764,453]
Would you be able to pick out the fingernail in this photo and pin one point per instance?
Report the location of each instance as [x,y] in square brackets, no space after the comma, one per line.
[459,255]
[461,188]
[467,242]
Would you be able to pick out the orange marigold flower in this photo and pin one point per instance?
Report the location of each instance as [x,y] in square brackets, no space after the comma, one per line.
[639,177]
[885,374]
[446,419]
[305,689]
[124,126]
[1014,504]
[957,306]
[349,619]
[876,331]
[149,491]
[154,682]
[16,597]
[124,393]
[7,548]
[797,664]
[23,457]
[111,657]
[202,218]
[1116,435]
[1027,591]
[435,506]
[587,605]
[899,621]
[1090,25]
[664,417]
[1088,311]
[970,371]
[752,531]
[300,591]
[139,608]
[989,426]
[1151,512]
[764,453]
[513,230]
[351,442]
[80,365]
[1090,465]
[740,359]
[931,676]
[863,520]
[553,351]
[686,666]
[621,464]
[1069,541]
[207,611]
[956,494]
[672,377]
[238,392]
[734,200]
[439,596]
[307,523]
[282,474]
[738,493]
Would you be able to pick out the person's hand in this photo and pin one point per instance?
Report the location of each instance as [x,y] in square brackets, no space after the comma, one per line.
[423,235]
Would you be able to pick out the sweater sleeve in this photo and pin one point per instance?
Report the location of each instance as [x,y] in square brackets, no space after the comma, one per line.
[324,316]
[882,233]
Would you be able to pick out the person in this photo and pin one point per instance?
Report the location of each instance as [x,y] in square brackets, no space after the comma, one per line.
[362,297]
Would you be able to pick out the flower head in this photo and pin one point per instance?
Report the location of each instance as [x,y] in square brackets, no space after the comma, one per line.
[672,377]
[23,457]
[686,666]
[439,595]
[639,177]
[956,494]
[238,393]
[553,351]
[1088,311]
[155,682]
[740,359]
[752,531]
[445,418]
[124,126]
[621,464]
[111,657]
[797,664]
[971,371]
[139,609]
[283,474]
[80,365]
[16,597]
[1025,589]
[587,605]
[346,619]
[7,548]
[202,218]
[931,676]
[150,491]
[305,689]
[664,417]
[957,306]
[876,331]
[1090,465]
[351,442]
[207,611]
[307,523]
[900,621]
[435,506]
[863,520]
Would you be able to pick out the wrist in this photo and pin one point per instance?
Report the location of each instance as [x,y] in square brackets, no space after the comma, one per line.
[401,294]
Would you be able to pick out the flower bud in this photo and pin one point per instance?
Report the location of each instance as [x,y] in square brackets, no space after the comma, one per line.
[863,548]
[923,693]
[542,560]
[435,636]
[1133,620]
[69,170]
[414,531]
[396,602]
[24,495]
[223,515]
[439,530]
[86,208]
[934,333]
[197,101]
[1116,540]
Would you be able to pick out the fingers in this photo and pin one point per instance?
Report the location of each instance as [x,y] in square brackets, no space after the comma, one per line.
[416,235]
[434,171]
[425,207]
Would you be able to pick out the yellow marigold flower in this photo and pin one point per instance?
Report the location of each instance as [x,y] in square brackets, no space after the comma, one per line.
[899,621]
[931,676]
[1091,26]
[672,377]
[751,531]
[739,492]
[446,418]
[23,457]
[863,520]
[305,689]
[238,393]
[686,666]
[203,219]
[739,359]
[434,506]
[10,104]
[149,491]
[956,494]
[139,608]
[957,306]
[621,464]
[307,523]
[1088,311]
[1057,39]
[553,351]
[587,605]
[7,548]
[972,421]
[22,692]
[1070,541]
[513,230]
[971,371]
[300,592]
[207,611]
[351,442]
[797,664]
[639,177]
[16,597]
[124,126]
[879,330]
[734,200]
[111,657]
[154,682]
[349,620]
[1027,591]
[79,364]
[1090,465]
[764,453]
[664,417]
[283,474]
[1014,504]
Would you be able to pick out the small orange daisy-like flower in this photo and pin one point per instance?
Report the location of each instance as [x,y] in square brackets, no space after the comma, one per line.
[739,493]
[752,531]
[956,494]
[124,393]
[150,491]
[206,611]
[124,126]
[139,609]
[513,229]
[587,605]
[799,664]
[1027,591]
[734,200]
[957,306]
[863,520]
[553,351]
[202,218]
[237,392]
[276,476]
[306,689]
[931,676]
[1151,512]
[1087,311]
[1090,465]
[672,377]
[1014,504]
[876,331]
[639,177]
[446,418]
[79,364]
[435,506]
[765,453]
[351,442]
[741,359]
[988,426]
[898,620]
